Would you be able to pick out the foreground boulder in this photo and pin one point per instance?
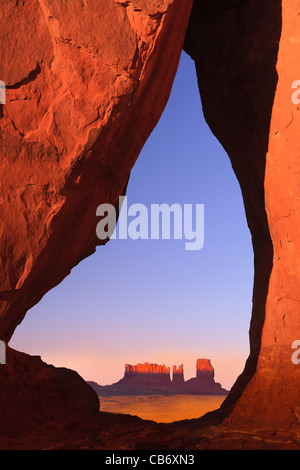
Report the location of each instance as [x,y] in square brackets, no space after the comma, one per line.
[36,396]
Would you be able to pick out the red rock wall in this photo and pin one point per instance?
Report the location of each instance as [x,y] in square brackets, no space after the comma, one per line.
[86,84]
[245,54]
[273,393]
[82,100]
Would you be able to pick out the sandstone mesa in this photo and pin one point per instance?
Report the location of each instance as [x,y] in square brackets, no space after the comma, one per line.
[155,379]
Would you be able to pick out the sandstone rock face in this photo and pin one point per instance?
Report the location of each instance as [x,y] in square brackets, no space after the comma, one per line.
[88,87]
[245,58]
[146,374]
[204,382]
[86,83]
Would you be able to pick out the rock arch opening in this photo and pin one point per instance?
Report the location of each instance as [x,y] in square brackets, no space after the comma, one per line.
[153,300]
[111,97]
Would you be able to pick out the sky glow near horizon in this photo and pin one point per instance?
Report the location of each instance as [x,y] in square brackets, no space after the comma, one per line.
[137,301]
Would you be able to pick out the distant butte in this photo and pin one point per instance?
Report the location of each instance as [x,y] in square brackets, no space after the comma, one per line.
[154,379]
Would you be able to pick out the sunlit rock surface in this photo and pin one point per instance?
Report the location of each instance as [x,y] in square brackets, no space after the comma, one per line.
[245,55]
[86,82]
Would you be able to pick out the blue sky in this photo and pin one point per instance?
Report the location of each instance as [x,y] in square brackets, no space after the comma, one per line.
[152,300]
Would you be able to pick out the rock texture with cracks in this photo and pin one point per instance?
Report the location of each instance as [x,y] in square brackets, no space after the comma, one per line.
[245,58]
[155,379]
[86,82]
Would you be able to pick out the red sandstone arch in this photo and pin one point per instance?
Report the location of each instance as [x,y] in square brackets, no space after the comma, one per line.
[77,77]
